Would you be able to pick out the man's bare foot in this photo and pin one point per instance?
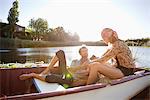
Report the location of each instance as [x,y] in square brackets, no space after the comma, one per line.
[26,76]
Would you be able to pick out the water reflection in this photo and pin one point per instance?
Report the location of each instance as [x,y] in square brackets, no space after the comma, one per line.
[45,54]
[11,55]
[23,55]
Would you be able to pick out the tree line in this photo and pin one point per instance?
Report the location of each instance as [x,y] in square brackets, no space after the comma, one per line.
[37,29]
[139,42]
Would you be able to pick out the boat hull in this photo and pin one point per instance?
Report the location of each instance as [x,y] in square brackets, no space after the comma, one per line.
[123,91]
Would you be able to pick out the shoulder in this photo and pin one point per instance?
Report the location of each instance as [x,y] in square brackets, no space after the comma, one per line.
[75,62]
[120,46]
[119,43]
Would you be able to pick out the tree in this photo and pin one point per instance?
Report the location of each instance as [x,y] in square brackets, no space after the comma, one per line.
[59,34]
[51,35]
[76,37]
[13,18]
[39,27]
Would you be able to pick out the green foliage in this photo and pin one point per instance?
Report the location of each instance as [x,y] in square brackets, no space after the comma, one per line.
[13,17]
[38,27]
[16,65]
[59,34]
[146,68]
[137,42]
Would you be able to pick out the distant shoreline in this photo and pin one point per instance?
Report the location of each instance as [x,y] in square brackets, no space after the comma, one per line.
[7,43]
[19,43]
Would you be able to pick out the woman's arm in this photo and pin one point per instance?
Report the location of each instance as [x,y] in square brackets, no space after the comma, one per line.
[52,63]
[97,59]
[110,53]
[106,52]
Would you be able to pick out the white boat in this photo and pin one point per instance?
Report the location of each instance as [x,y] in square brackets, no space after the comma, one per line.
[121,89]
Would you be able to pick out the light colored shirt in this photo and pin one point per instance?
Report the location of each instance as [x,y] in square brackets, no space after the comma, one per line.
[75,62]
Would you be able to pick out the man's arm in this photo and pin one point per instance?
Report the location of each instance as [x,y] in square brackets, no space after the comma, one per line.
[85,70]
[75,63]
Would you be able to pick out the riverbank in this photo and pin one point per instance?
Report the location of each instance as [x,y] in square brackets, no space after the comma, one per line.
[19,43]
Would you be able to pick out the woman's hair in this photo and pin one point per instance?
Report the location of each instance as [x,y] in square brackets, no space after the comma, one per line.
[108,30]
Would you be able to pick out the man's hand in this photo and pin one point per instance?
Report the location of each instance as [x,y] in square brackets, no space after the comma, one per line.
[83,72]
[93,57]
[85,64]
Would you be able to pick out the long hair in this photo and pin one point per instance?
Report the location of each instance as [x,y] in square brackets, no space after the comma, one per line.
[112,36]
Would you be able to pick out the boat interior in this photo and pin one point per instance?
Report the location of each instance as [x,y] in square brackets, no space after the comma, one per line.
[35,92]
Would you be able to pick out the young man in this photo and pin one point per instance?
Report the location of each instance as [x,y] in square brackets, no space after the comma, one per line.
[119,51]
[56,73]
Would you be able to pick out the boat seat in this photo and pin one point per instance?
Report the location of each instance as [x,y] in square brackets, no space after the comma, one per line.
[146,73]
[42,86]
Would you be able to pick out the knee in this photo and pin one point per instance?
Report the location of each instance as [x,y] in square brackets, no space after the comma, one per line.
[96,66]
[93,64]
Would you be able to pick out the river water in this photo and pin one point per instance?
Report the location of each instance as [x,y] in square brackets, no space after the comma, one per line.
[141,54]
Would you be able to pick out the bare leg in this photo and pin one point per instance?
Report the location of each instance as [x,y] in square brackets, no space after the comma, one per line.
[79,82]
[106,70]
[60,56]
[40,77]
[26,76]
[52,63]
[32,75]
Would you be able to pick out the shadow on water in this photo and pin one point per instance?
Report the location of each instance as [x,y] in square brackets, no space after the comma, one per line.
[14,55]
[9,53]
[11,56]
[37,58]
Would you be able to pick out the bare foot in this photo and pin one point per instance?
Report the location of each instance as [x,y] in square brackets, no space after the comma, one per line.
[26,76]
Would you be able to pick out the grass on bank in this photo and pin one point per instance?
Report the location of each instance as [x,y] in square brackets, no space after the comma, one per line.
[19,43]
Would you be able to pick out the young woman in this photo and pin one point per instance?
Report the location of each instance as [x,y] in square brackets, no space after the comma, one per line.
[55,74]
[124,63]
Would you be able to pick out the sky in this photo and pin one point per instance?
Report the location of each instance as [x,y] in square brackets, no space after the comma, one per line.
[129,18]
